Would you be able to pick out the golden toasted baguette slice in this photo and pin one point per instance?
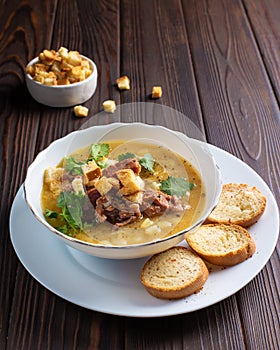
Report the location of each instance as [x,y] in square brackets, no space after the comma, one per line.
[221,244]
[238,204]
[174,273]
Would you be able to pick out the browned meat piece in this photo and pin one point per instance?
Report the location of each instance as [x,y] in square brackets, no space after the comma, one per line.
[130,163]
[123,217]
[99,209]
[93,195]
[117,210]
[155,203]
[67,179]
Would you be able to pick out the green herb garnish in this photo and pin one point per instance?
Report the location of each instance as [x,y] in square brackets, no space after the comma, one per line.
[103,164]
[176,186]
[71,205]
[147,162]
[64,229]
[73,167]
[98,152]
[126,155]
[51,214]
[71,215]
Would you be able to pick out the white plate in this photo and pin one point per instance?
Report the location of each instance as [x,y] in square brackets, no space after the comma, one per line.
[113,286]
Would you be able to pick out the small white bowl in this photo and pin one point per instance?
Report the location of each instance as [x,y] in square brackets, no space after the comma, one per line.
[195,151]
[62,95]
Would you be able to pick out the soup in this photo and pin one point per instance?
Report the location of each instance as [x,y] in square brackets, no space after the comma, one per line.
[122,193]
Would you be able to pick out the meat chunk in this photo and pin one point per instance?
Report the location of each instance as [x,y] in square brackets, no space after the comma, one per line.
[154,203]
[93,195]
[130,163]
[117,210]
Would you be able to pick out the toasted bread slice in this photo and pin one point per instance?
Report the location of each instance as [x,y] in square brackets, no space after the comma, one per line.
[239,204]
[221,244]
[174,273]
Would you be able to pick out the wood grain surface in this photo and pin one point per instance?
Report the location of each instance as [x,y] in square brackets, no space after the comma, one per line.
[218,64]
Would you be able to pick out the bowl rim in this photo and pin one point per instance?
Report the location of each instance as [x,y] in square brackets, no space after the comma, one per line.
[93,75]
[131,246]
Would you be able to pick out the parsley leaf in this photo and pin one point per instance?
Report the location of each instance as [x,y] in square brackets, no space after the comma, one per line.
[64,229]
[176,186]
[147,162]
[71,205]
[126,155]
[103,164]
[51,214]
[99,151]
[72,166]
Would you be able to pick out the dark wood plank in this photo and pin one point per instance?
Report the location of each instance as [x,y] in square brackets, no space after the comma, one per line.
[264,19]
[155,51]
[21,28]
[204,329]
[41,320]
[233,86]
[265,304]
[242,116]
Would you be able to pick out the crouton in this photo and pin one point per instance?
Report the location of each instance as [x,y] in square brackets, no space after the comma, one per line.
[76,74]
[123,83]
[49,55]
[105,184]
[156,92]
[52,64]
[129,181]
[109,106]
[30,70]
[91,171]
[63,81]
[74,58]
[39,68]
[53,180]
[80,111]
[63,52]
[55,67]
[50,81]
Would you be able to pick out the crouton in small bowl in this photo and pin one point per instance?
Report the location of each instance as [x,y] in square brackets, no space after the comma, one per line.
[61,78]
[123,190]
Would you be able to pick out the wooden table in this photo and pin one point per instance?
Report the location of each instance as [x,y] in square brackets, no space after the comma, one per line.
[218,63]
